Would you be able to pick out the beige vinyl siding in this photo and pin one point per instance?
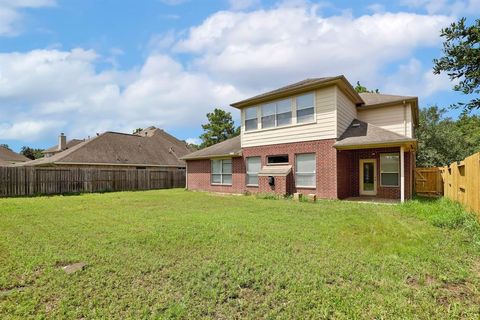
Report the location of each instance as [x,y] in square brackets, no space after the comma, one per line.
[346,112]
[323,127]
[397,118]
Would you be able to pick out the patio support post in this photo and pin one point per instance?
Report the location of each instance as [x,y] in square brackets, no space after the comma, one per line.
[402,174]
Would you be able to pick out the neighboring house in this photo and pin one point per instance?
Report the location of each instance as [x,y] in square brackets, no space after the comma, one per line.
[317,136]
[150,148]
[62,145]
[8,157]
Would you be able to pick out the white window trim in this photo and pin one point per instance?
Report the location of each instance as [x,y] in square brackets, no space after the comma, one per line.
[221,172]
[294,123]
[252,173]
[276,113]
[306,173]
[398,172]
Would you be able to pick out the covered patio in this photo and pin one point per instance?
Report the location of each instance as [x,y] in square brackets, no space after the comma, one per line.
[374,163]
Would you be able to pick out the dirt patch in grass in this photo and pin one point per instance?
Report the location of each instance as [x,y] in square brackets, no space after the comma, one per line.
[476,268]
[418,282]
[451,292]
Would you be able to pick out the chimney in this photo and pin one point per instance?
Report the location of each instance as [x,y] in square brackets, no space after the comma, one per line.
[62,142]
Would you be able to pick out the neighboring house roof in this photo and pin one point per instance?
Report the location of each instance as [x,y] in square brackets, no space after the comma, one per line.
[70,144]
[10,156]
[230,147]
[360,133]
[4,163]
[151,147]
[299,87]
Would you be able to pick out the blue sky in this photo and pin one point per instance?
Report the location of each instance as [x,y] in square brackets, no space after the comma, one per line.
[86,66]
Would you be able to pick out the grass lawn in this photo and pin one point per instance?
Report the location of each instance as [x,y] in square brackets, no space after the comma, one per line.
[179,254]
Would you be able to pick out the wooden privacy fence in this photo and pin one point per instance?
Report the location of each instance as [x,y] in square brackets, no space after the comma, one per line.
[428,182]
[28,181]
[461,182]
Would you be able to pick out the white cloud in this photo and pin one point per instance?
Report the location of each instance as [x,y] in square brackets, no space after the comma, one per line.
[51,91]
[413,78]
[266,48]
[235,54]
[30,130]
[196,141]
[10,13]
[450,7]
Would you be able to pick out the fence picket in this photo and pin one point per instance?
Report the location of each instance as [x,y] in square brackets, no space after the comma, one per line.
[28,181]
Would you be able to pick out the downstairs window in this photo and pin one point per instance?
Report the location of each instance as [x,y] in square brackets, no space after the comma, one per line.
[222,171]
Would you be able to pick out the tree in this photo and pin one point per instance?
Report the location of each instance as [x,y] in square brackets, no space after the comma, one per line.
[220,127]
[137,130]
[360,89]
[31,153]
[461,60]
[442,140]
[6,146]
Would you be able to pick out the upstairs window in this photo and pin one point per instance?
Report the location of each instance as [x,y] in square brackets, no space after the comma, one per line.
[268,115]
[284,112]
[222,171]
[389,169]
[277,114]
[251,121]
[305,108]
[253,167]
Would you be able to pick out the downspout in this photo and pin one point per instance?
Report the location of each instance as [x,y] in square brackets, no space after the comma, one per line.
[186,175]
[402,174]
[404,118]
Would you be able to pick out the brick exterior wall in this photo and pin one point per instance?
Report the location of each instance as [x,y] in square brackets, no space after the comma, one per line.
[326,164]
[199,176]
[337,171]
[199,170]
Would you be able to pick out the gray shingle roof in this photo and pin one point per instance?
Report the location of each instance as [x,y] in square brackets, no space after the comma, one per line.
[70,144]
[156,148]
[10,156]
[4,163]
[230,147]
[298,87]
[363,133]
[379,98]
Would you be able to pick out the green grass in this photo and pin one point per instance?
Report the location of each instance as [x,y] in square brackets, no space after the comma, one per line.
[179,254]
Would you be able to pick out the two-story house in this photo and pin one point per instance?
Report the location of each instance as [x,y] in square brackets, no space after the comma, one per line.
[318,136]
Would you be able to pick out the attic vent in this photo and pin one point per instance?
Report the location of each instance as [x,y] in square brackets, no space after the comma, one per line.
[355,125]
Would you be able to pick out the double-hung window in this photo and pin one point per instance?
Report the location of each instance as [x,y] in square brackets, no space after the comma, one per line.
[284,112]
[305,170]
[222,171]
[389,169]
[277,114]
[305,108]
[268,115]
[251,120]
[253,167]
